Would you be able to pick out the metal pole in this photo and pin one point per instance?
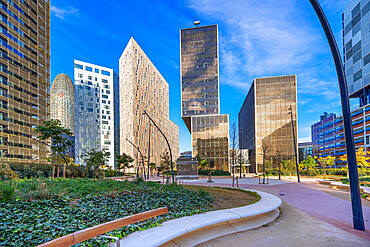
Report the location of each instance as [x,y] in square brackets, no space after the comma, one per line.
[209,167]
[240,163]
[358,220]
[279,166]
[149,150]
[169,147]
[142,157]
[295,147]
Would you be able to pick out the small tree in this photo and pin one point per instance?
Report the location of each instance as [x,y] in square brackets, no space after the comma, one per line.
[165,162]
[95,160]
[289,166]
[362,158]
[124,161]
[325,161]
[152,167]
[309,163]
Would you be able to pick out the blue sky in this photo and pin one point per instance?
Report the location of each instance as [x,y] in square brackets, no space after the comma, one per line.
[257,39]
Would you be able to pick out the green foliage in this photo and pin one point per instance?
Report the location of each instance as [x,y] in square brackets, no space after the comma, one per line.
[7,191]
[361,179]
[81,203]
[54,130]
[113,173]
[214,172]
[32,170]
[95,160]
[124,161]
[309,162]
[318,172]
[6,172]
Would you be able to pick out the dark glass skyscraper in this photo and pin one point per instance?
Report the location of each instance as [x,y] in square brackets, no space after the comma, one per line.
[264,120]
[200,108]
[24,78]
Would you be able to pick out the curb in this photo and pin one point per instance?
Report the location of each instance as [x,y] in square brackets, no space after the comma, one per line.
[195,229]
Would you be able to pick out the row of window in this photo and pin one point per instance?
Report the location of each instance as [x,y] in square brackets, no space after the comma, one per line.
[90,69]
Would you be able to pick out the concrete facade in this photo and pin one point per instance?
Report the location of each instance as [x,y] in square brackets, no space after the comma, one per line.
[143,88]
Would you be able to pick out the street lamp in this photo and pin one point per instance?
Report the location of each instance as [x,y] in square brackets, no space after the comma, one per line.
[142,158]
[358,220]
[169,147]
[295,146]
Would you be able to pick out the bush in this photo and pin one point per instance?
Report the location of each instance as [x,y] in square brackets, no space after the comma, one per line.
[32,170]
[318,172]
[214,172]
[6,173]
[113,173]
[7,190]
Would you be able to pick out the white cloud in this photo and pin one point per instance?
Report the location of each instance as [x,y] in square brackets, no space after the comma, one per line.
[61,13]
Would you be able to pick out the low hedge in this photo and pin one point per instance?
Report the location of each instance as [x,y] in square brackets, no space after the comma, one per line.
[214,172]
[317,172]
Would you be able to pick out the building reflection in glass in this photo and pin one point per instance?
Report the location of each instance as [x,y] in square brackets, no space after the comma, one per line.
[210,138]
[263,120]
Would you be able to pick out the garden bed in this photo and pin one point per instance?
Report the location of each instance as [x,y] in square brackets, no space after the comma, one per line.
[45,209]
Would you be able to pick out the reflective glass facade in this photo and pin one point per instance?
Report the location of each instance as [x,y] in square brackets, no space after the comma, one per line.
[24,79]
[356,49]
[200,106]
[264,119]
[210,138]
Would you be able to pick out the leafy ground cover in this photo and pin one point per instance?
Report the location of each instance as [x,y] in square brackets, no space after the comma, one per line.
[364,179]
[42,210]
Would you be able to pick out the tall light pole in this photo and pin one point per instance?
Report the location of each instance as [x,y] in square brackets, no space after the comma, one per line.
[168,144]
[358,219]
[295,146]
[142,158]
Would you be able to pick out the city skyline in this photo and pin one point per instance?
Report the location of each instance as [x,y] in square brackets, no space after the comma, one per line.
[313,65]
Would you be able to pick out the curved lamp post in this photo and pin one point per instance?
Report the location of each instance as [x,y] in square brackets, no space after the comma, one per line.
[295,147]
[169,147]
[142,158]
[358,220]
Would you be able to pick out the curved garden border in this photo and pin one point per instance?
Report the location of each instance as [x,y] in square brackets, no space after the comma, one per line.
[195,229]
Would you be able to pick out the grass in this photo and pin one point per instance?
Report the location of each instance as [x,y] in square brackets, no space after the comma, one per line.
[43,209]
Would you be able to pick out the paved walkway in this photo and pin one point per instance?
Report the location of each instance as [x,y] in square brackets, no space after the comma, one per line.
[292,228]
[306,197]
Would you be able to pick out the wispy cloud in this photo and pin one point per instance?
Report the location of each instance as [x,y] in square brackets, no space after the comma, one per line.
[62,13]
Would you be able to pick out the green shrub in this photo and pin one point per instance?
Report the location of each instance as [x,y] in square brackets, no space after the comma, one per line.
[7,190]
[214,172]
[6,172]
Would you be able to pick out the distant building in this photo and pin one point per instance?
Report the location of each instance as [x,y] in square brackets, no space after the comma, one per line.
[62,106]
[264,120]
[304,150]
[328,134]
[143,88]
[200,106]
[95,121]
[356,49]
[62,102]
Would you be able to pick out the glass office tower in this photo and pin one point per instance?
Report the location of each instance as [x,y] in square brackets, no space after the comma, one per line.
[356,49]
[24,79]
[264,120]
[200,106]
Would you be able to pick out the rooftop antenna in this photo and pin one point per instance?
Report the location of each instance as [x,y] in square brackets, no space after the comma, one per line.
[196,23]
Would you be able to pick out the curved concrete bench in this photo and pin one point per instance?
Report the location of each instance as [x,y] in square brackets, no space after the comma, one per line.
[195,229]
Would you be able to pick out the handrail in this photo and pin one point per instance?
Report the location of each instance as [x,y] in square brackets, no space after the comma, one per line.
[85,234]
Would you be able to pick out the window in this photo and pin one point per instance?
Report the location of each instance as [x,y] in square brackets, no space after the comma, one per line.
[80,76]
[105,96]
[78,66]
[105,122]
[96,70]
[89,77]
[367,59]
[104,81]
[107,91]
[88,68]
[103,72]
[104,101]
[357,75]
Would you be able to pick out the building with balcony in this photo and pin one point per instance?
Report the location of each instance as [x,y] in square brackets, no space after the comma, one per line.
[143,88]
[95,97]
[328,134]
[264,120]
[200,101]
[24,79]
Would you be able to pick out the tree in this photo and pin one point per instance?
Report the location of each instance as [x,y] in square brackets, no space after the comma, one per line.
[289,166]
[265,150]
[309,162]
[325,161]
[362,158]
[165,162]
[233,145]
[124,161]
[152,167]
[53,129]
[95,160]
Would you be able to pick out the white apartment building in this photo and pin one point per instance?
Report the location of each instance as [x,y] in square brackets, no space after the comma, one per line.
[95,122]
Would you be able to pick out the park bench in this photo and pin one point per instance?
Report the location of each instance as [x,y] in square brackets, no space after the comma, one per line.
[97,231]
